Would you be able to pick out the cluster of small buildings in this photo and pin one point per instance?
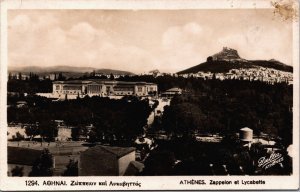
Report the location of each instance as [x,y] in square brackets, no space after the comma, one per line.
[262,74]
[102,88]
[252,74]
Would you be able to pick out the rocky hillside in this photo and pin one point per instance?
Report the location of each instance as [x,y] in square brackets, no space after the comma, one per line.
[227,54]
[229,58]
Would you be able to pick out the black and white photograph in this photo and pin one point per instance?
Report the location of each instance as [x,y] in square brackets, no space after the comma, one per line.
[151,93]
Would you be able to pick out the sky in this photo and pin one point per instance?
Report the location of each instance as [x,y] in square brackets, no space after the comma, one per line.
[142,40]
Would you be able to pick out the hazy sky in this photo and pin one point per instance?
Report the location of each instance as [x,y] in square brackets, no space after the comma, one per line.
[140,41]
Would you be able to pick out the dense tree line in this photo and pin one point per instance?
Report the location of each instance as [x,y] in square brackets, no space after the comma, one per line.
[29,86]
[226,106]
[32,83]
[114,119]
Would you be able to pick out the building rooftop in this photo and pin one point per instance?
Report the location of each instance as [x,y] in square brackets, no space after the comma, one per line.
[117,151]
[102,81]
[246,129]
[73,82]
[21,102]
[175,89]
[22,156]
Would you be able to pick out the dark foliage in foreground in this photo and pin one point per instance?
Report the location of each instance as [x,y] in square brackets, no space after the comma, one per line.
[72,168]
[43,166]
[17,171]
[196,158]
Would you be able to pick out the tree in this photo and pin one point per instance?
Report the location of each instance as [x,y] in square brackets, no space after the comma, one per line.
[17,171]
[156,125]
[43,166]
[48,129]
[72,168]
[111,77]
[19,137]
[92,136]
[93,74]
[32,131]
[75,134]
[183,119]
[61,77]
[159,163]
[78,131]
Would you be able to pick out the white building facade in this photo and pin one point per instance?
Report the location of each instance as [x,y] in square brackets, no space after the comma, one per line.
[102,88]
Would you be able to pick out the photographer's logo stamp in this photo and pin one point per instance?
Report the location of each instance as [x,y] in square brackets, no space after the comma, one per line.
[267,162]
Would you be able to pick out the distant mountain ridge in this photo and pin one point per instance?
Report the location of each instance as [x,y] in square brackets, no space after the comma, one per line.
[66,69]
[229,59]
[54,69]
[113,71]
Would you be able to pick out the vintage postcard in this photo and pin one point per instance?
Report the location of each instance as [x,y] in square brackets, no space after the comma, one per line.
[149,95]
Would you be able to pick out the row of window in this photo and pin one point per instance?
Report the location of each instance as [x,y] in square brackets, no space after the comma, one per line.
[97,87]
[68,87]
[94,88]
[124,93]
[68,92]
[117,93]
[123,89]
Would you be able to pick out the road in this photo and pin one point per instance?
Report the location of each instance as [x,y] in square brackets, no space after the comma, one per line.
[160,107]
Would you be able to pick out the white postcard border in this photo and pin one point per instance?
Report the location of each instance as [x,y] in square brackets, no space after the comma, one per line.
[144,182]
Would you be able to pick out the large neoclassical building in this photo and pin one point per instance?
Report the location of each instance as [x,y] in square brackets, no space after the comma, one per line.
[97,87]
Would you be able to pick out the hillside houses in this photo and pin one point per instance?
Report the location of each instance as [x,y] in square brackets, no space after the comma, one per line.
[253,74]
